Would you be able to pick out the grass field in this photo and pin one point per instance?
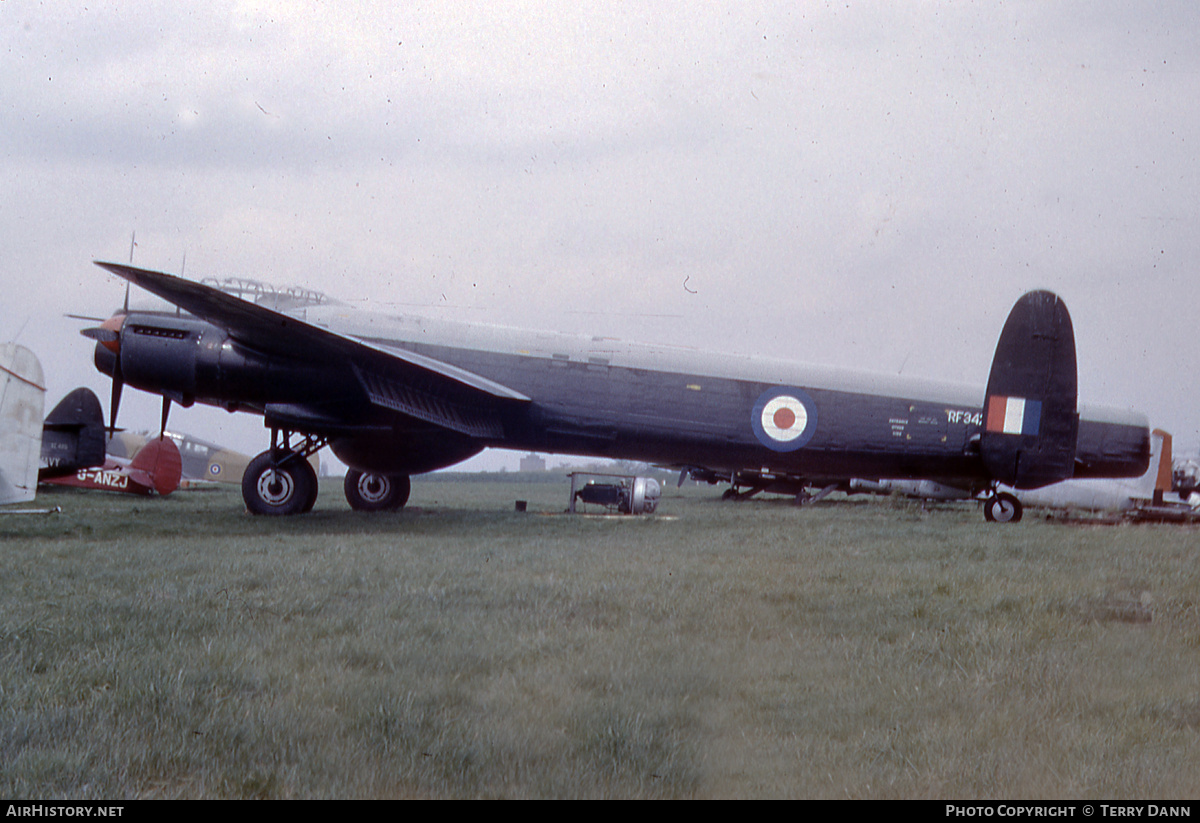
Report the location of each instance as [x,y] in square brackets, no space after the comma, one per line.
[182,648]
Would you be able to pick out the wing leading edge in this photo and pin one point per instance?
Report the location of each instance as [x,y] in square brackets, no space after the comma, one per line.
[397,379]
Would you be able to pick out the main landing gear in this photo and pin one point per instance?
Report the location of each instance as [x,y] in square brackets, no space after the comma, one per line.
[284,485]
[367,492]
[1002,507]
[281,480]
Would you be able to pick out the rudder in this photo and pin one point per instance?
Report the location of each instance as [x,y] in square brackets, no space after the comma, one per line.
[160,460]
[22,399]
[73,435]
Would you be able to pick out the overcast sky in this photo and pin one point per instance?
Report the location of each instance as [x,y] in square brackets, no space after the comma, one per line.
[869,185]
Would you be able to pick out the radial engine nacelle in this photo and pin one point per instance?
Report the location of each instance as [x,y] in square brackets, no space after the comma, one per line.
[190,360]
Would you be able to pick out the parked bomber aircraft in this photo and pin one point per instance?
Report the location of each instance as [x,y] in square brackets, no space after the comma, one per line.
[395,396]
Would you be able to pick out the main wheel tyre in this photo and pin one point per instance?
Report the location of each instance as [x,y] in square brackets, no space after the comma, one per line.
[370,492]
[287,488]
[1002,508]
[312,496]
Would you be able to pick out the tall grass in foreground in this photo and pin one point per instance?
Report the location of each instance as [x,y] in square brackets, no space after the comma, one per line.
[181,648]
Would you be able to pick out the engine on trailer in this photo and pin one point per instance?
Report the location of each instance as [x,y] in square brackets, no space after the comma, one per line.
[628,495]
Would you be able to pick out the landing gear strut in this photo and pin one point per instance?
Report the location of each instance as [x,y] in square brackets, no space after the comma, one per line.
[368,492]
[281,481]
[1002,507]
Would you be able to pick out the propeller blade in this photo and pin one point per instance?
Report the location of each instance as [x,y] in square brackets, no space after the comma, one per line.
[166,409]
[115,403]
[118,383]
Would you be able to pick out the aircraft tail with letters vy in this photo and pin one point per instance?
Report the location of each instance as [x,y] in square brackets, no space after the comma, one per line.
[22,399]
[73,435]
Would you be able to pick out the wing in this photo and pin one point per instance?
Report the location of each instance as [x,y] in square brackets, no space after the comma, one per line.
[392,378]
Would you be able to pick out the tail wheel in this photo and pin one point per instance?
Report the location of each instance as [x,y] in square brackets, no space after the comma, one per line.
[283,487]
[1002,508]
[370,492]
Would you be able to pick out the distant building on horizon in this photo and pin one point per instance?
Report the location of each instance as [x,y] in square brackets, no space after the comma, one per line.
[533,463]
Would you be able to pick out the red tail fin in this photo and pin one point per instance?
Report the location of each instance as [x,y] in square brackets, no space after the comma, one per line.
[161,461]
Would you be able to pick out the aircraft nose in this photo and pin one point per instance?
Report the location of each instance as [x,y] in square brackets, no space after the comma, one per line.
[108,344]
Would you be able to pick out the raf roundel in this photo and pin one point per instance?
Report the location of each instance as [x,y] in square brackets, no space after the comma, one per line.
[784,419]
